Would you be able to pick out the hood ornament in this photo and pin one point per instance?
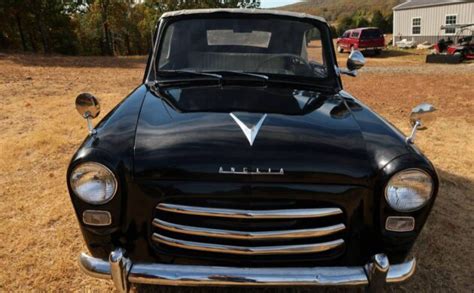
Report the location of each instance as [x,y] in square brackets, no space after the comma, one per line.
[250,133]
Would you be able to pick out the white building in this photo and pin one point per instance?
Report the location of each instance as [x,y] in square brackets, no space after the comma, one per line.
[421,20]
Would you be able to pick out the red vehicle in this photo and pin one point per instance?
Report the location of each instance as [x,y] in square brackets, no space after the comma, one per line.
[363,39]
[455,50]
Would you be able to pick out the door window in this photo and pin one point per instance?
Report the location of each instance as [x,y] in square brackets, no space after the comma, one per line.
[355,35]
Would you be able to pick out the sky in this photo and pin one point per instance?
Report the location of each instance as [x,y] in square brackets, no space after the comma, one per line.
[276,3]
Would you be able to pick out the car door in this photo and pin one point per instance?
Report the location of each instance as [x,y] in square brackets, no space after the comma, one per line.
[344,40]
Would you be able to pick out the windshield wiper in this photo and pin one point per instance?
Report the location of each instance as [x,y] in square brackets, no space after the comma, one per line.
[172,79]
[262,76]
[214,74]
[194,73]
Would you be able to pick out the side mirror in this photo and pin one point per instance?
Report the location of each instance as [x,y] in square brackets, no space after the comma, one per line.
[88,107]
[420,117]
[355,62]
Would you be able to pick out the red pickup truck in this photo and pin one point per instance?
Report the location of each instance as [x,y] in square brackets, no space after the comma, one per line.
[363,39]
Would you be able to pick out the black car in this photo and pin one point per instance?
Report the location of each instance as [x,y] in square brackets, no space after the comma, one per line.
[241,161]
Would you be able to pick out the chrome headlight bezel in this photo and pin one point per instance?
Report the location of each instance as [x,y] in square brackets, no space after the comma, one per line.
[427,196]
[112,179]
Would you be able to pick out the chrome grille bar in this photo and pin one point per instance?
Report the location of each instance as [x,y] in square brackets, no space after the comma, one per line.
[249,214]
[232,234]
[248,250]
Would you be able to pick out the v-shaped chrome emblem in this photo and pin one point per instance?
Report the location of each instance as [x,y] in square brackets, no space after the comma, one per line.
[250,133]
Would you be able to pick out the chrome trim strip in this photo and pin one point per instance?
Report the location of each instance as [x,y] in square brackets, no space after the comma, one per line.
[248,250]
[232,234]
[189,275]
[249,214]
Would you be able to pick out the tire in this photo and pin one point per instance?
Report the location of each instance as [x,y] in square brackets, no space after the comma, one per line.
[340,49]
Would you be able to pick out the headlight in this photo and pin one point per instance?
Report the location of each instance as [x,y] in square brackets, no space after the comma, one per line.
[93,183]
[409,190]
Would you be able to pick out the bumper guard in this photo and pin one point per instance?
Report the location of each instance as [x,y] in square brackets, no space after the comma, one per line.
[122,271]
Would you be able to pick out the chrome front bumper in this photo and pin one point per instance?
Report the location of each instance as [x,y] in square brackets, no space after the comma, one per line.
[122,271]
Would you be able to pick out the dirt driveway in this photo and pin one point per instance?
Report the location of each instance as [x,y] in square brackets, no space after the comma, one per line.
[40,130]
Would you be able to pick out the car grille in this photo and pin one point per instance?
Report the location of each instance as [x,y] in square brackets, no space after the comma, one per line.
[254,232]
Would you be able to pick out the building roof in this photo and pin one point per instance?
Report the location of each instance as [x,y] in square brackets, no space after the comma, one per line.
[427,3]
[243,11]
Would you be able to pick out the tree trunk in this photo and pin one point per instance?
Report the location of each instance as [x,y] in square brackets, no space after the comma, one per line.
[33,41]
[127,44]
[20,29]
[107,47]
[44,40]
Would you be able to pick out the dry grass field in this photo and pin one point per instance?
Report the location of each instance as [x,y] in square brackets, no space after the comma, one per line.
[40,130]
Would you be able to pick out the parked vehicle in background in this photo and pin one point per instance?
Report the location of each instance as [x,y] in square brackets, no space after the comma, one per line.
[454,50]
[363,39]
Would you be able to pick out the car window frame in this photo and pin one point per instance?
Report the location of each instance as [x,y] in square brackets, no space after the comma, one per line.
[355,37]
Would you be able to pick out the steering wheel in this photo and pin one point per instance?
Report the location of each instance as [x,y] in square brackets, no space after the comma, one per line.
[295,59]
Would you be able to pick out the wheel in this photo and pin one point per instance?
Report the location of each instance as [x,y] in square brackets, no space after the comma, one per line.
[340,49]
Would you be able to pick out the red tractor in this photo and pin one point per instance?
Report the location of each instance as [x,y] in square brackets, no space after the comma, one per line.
[455,50]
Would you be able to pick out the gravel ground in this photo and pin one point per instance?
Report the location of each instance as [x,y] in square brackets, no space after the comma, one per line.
[437,69]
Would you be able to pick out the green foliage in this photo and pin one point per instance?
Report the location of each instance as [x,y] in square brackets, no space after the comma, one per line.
[346,14]
[360,19]
[385,23]
[36,25]
[90,27]
[344,24]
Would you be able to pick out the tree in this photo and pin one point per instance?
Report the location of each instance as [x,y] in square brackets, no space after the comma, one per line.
[358,19]
[378,20]
[12,31]
[344,24]
[90,27]
[389,23]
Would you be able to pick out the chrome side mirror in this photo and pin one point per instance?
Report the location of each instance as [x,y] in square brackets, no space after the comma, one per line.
[420,117]
[355,62]
[88,107]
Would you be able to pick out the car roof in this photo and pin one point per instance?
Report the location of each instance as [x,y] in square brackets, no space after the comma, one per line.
[361,29]
[243,11]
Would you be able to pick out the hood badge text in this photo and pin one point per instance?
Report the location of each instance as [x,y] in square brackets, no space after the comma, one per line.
[250,133]
[247,171]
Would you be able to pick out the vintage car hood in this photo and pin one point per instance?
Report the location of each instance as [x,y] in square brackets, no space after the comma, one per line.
[189,134]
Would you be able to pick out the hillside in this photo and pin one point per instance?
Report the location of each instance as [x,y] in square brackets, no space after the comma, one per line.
[335,10]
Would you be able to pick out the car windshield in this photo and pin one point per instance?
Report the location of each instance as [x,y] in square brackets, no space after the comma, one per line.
[266,46]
